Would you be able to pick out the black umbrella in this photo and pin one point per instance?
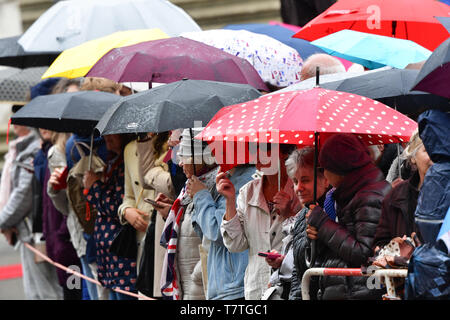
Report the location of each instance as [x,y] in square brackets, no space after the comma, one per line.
[434,76]
[176,105]
[391,87]
[76,112]
[15,83]
[12,54]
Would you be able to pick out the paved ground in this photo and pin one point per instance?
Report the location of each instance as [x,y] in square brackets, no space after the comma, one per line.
[10,289]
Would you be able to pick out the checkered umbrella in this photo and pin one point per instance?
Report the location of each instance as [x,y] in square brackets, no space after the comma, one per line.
[15,83]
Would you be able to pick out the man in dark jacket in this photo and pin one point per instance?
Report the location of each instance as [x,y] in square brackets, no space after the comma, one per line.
[360,189]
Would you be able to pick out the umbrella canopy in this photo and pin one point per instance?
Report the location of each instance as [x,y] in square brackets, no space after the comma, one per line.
[434,76]
[169,60]
[276,63]
[77,61]
[70,23]
[405,19]
[15,83]
[371,50]
[295,117]
[76,112]
[445,21]
[280,33]
[176,105]
[12,54]
[391,87]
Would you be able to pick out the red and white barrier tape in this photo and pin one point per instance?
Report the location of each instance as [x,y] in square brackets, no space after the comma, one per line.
[386,274]
[58,265]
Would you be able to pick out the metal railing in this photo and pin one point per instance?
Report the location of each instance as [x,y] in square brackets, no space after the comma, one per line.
[385,276]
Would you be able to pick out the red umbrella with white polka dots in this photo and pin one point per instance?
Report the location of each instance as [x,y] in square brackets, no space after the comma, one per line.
[301,117]
[294,118]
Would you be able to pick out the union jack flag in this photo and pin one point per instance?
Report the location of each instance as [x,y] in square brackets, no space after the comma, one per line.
[169,239]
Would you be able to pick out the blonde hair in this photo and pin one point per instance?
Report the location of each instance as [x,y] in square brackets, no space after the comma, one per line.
[59,140]
[414,144]
[100,84]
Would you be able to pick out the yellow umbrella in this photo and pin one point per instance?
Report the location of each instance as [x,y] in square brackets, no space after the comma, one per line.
[77,61]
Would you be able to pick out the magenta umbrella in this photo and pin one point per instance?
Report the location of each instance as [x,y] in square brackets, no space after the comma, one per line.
[174,59]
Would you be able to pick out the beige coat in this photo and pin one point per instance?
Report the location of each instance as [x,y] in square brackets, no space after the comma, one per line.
[251,229]
[134,198]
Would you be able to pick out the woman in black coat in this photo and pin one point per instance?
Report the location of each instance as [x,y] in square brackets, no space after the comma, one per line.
[360,190]
[397,216]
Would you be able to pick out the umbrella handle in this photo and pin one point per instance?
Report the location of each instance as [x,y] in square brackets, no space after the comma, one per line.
[310,254]
[90,152]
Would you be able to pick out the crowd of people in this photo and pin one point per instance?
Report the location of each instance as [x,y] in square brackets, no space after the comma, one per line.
[154,217]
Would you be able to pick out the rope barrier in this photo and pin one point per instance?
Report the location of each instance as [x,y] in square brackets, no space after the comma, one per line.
[60,266]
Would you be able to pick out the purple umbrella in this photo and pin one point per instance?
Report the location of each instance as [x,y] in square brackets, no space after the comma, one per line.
[174,59]
[434,76]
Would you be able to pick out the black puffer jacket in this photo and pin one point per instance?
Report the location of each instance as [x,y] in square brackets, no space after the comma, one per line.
[358,202]
[300,243]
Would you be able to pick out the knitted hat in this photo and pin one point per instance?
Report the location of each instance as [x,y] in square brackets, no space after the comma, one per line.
[343,153]
[202,152]
[44,87]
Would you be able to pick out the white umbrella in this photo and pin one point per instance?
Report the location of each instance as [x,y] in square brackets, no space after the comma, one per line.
[69,23]
[276,63]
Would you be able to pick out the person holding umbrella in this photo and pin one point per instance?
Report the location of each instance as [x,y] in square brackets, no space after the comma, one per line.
[360,190]
[106,193]
[253,220]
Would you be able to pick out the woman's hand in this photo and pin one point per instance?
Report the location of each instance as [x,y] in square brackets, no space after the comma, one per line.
[135,217]
[193,186]
[283,204]
[224,186]
[55,177]
[163,206]
[311,231]
[89,178]
[275,263]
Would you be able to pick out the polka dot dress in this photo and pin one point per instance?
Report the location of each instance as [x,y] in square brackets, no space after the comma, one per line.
[113,271]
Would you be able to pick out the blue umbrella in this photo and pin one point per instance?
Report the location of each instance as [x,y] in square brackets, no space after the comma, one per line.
[304,48]
[371,50]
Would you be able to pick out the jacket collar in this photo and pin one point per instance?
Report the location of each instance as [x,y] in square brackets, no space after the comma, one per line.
[355,181]
[400,199]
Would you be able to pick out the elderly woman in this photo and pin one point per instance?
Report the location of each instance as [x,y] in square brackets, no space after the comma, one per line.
[397,216]
[182,273]
[300,166]
[254,220]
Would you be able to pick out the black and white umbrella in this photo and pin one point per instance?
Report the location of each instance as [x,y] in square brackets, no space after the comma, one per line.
[15,83]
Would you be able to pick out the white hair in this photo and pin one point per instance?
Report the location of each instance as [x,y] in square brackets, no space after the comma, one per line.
[327,64]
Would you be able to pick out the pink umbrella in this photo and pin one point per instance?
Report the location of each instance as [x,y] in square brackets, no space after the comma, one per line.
[172,59]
